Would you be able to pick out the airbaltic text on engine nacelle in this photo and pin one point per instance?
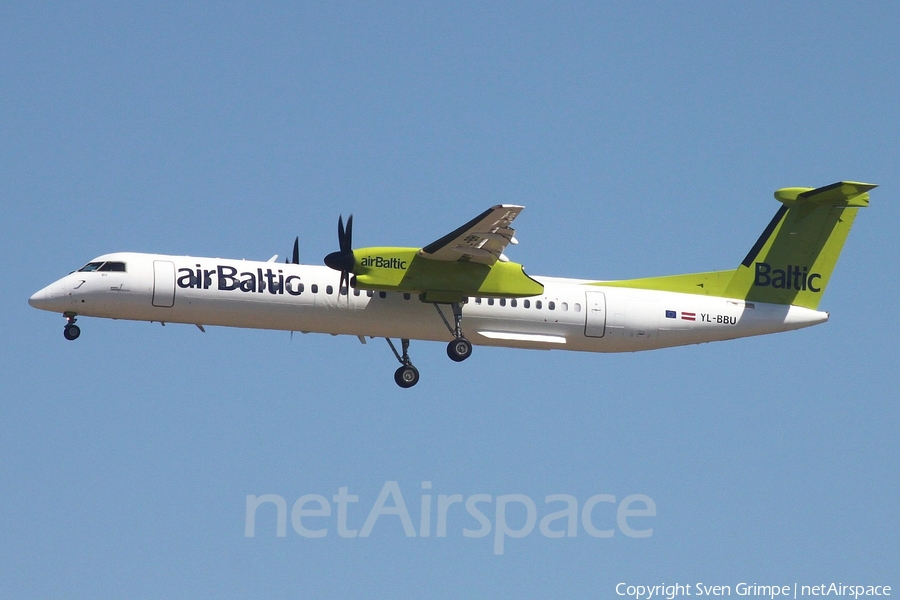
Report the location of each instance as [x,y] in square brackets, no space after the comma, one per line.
[383,263]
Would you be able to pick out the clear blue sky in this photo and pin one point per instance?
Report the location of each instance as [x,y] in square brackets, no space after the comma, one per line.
[643,140]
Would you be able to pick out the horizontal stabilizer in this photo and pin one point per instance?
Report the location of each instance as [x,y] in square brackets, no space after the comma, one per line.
[842,193]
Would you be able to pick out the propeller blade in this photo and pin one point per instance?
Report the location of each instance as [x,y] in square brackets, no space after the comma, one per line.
[348,234]
[343,260]
[345,236]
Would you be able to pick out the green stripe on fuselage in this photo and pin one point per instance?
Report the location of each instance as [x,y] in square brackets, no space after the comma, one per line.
[713,283]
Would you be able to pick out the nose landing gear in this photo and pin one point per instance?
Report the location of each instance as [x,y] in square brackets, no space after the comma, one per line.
[71,331]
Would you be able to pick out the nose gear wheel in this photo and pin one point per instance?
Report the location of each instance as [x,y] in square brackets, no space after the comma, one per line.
[71,331]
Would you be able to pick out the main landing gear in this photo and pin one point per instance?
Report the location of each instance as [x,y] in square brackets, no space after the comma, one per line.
[458,350]
[72,331]
[407,375]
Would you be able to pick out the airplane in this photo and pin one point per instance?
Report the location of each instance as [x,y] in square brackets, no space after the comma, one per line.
[465,277]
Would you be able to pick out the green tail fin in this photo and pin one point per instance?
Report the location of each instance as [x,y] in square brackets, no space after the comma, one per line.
[794,257]
[791,261]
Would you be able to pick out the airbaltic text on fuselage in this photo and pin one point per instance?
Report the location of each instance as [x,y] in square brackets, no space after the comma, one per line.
[380,262]
[792,278]
[227,278]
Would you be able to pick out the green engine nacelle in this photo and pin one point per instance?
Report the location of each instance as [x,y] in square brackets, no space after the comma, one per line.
[404,270]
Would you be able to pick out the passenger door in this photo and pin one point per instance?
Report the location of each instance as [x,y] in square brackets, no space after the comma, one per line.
[595,315]
[163,283]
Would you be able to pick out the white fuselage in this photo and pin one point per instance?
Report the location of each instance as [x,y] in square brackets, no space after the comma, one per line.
[570,315]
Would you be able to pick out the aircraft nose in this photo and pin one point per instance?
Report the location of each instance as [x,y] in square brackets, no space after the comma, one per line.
[52,297]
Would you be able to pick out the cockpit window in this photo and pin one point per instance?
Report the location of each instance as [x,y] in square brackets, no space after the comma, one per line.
[103,266]
[112,266]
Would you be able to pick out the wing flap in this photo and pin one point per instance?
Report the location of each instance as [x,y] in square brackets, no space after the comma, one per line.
[481,240]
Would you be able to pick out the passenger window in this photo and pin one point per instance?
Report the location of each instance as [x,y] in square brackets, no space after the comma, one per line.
[490,301]
[405,296]
[527,303]
[370,293]
[502,301]
[477,300]
[356,292]
[382,294]
[329,290]
[551,305]
[300,288]
[577,307]
[343,291]
[512,302]
[564,305]
[537,304]
[315,288]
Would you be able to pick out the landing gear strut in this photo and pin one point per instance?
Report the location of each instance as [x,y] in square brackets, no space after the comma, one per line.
[407,375]
[72,331]
[460,348]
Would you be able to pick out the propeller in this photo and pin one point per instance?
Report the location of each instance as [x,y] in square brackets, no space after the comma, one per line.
[296,258]
[343,260]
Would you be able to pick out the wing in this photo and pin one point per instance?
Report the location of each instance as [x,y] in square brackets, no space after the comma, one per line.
[481,240]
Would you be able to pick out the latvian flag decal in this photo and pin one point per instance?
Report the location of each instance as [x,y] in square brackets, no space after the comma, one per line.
[688,316]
